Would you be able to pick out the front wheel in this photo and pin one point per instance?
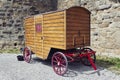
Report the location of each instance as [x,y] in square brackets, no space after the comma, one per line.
[59,63]
[27,54]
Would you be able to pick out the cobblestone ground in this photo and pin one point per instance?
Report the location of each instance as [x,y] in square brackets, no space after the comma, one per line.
[12,69]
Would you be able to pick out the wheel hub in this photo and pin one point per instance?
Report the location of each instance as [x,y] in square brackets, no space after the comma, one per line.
[58,63]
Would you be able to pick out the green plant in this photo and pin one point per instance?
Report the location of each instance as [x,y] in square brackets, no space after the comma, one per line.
[9,51]
[112,64]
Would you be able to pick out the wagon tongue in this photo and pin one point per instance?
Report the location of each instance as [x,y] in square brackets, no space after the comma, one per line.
[92,62]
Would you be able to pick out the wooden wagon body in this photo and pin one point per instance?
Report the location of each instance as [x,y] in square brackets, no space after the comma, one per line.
[61,36]
[64,29]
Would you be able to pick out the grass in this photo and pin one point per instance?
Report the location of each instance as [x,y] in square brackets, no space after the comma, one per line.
[112,64]
[10,51]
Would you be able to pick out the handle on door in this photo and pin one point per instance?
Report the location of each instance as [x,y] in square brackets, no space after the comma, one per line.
[42,38]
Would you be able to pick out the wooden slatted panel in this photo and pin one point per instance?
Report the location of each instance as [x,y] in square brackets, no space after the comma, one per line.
[53,32]
[38,35]
[29,32]
[54,21]
[78,28]
[29,20]
[53,28]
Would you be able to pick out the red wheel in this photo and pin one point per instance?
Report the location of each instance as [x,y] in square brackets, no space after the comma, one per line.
[59,63]
[85,60]
[27,54]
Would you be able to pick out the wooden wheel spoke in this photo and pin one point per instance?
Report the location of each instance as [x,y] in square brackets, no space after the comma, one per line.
[63,61]
[56,58]
[26,59]
[55,61]
[63,65]
[57,69]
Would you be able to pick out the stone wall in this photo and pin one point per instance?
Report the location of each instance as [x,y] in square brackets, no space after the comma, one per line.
[105,23]
[12,14]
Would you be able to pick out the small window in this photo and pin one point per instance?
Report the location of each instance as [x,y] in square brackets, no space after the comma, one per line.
[38,28]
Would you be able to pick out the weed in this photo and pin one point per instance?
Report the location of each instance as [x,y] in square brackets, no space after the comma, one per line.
[109,63]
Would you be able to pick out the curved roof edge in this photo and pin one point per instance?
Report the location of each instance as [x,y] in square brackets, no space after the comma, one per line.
[78,7]
[60,10]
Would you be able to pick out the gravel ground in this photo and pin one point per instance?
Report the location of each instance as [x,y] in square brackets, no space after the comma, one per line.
[11,69]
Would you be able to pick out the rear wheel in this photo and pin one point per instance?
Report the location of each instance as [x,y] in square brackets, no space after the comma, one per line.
[27,54]
[59,63]
[85,60]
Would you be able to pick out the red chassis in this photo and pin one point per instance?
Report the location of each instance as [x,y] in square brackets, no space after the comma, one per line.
[60,60]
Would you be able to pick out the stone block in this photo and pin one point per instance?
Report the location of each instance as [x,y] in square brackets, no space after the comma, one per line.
[2,14]
[115,25]
[18,20]
[104,25]
[1,28]
[106,6]
[27,3]
[36,12]
[105,17]
[94,26]
[9,17]
[19,29]
[118,14]
[1,17]
[95,34]
[17,25]
[9,25]
[103,33]
[21,37]
[113,14]
[116,19]
[12,21]
[19,10]
[116,37]
[117,5]
[10,10]
[83,2]
[108,43]
[7,32]
[8,14]
[9,0]
[7,6]
[2,10]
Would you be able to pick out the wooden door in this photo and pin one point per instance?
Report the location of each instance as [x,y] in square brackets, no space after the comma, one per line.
[38,36]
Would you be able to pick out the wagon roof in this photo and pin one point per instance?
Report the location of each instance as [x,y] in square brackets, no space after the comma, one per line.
[61,10]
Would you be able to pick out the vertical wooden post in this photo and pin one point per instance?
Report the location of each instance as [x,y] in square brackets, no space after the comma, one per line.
[65,31]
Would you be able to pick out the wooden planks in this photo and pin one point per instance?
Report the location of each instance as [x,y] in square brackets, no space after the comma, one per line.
[61,20]
[54,14]
[53,31]
[78,24]
[38,37]
[53,28]
[29,32]
[65,29]
[54,24]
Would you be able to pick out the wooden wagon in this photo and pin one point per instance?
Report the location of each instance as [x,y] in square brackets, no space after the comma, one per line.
[60,36]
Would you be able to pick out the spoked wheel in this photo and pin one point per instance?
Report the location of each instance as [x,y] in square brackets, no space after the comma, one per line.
[59,63]
[85,60]
[27,54]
